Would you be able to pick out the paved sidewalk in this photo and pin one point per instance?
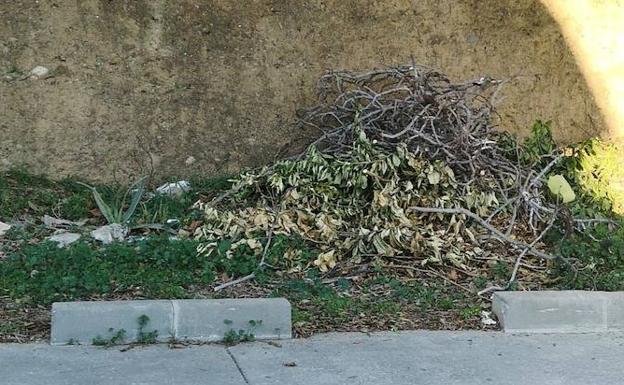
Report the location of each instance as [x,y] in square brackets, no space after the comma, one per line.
[154,365]
[334,359]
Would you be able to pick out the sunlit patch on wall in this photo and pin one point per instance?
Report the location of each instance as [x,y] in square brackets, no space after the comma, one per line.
[594,30]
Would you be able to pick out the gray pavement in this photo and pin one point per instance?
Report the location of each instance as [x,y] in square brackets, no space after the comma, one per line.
[419,357]
[77,365]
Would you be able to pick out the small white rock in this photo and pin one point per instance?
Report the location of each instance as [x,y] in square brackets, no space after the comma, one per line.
[190,160]
[39,71]
[109,233]
[64,239]
[4,227]
[174,188]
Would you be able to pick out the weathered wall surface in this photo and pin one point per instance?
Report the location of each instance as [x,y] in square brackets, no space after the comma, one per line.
[594,29]
[144,85]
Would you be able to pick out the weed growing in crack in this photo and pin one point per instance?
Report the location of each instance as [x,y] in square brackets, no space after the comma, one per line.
[117,338]
[233,337]
[143,337]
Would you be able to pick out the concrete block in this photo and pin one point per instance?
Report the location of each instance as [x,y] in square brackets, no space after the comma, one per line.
[83,321]
[210,320]
[615,311]
[552,311]
[191,320]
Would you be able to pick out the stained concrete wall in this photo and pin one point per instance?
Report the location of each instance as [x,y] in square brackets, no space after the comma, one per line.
[210,86]
[594,29]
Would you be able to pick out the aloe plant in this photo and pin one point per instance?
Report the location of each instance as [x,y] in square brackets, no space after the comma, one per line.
[114,211]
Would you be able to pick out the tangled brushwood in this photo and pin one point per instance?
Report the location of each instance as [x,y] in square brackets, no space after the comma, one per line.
[407,167]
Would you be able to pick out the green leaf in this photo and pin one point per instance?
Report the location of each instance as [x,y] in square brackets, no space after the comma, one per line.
[139,190]
[105,209]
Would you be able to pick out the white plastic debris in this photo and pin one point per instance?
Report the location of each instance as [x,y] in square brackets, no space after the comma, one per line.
[109,233]
[174,188]
[486,318]
[64,239]
[4,227]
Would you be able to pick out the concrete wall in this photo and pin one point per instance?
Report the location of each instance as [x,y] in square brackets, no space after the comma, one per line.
[594,29]
[210,86]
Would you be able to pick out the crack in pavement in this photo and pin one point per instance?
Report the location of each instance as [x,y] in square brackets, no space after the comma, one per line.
[240,370]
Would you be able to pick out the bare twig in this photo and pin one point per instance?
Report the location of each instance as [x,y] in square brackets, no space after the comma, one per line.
[253,274]
[235,282]
[518,262]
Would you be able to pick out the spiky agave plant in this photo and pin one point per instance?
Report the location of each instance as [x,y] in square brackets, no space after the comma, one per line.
[113,210]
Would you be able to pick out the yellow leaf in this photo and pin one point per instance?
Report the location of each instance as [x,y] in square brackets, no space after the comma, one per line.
[326,261]
[560,187]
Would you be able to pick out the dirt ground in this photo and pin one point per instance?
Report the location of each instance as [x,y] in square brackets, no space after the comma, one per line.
[187,87]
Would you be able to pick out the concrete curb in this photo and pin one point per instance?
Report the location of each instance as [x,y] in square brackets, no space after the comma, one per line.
[183,320]
[559,311]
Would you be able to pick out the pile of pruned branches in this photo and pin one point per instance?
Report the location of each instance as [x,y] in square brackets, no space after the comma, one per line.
[407,166]
[436,120]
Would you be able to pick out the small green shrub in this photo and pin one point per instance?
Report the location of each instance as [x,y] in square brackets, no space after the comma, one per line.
[599,173]
[539,144]
[596,258]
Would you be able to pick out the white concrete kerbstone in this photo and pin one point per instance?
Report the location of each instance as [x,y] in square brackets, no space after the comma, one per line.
[210,320]
[189,320]
[559,311]
[80,322]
